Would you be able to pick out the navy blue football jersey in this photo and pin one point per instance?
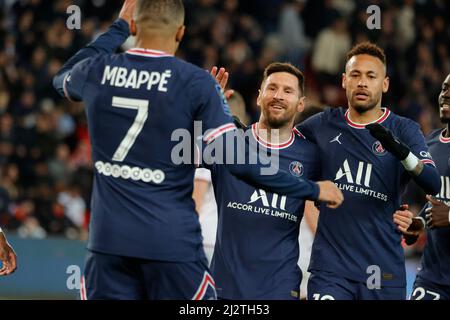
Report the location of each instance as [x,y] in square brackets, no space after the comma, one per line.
[256,251]
[135,101]
[435,264]
[360,236]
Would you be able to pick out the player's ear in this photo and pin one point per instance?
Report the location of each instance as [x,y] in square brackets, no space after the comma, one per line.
[385,84]
[258,99]
[180,33]
[344,78]
[133,27]
[301,104]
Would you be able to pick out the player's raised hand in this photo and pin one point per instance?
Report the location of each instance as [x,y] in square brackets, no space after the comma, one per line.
[127,11]
[7,256]
[222,76]
[388,140]
[330,194]
[437,215]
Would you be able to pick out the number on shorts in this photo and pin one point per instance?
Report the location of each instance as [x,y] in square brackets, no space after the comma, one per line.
[317,296]
[422,292]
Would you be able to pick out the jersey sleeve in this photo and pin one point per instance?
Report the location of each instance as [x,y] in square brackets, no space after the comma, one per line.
[70,82]
[413,137]
[210,107]
[428,179]
[75,80]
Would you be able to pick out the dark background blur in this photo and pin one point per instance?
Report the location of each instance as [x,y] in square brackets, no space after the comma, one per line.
[45,165]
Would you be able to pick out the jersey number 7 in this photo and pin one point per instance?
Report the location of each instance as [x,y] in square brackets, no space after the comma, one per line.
[142,113]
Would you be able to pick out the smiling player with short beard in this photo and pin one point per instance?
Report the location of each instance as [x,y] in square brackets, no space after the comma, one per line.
[256,251]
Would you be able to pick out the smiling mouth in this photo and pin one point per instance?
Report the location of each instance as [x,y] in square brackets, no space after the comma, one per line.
[445,105]
[276,107]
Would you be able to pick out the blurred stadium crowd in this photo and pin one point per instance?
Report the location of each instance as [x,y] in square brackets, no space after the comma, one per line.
[45,165]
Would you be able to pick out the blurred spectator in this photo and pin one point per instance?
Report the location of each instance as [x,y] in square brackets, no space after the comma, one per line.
[74,206]
[58,165]
[330,50]
[292,34]
[29,225]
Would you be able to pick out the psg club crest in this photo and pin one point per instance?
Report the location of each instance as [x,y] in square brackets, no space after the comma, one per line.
[378,149]
[296,168]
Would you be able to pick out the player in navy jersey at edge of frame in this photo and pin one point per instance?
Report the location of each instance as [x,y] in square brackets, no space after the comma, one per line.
[371,154]
[144,237]
[433,277]
[256,250]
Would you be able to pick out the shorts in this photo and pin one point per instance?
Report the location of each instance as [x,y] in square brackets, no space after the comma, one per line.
[324,285]
[112,277]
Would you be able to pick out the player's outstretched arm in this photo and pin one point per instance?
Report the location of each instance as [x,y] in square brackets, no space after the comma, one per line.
[330,194]
[280,181]
[108,42]
[426,176]
[7,256]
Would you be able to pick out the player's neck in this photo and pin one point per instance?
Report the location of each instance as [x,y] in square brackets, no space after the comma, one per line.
[366,117]
[272,135]
[446,133]
[156,43]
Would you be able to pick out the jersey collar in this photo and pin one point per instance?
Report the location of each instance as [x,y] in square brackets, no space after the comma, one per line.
[269,145]
[442,138]
[356,125]
[148,53]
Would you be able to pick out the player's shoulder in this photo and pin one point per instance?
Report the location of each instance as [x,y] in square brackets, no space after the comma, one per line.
[328,114]
[333,112]
[101,59]
[182,67]
[402,126]
[96,63]
[90,62]
[321,118]
[301,141]
[434,135]
[191,70]
[401,121]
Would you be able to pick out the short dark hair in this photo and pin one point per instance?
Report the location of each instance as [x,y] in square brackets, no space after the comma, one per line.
[160,12]
[286,67]
[368,48]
